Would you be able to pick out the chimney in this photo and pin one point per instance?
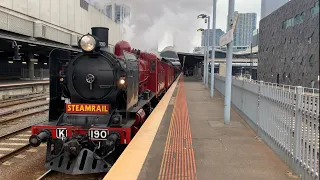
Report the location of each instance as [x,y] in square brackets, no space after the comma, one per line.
[102,34]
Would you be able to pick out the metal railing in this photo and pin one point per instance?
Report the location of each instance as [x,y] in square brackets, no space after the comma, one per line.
[305,90]
[285,117]
[36,74]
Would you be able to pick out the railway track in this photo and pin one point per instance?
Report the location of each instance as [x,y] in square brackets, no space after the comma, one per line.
[13,111]
[46,174]
[50,174]
[16,117]
[8,107]
[14,143]
[22,99]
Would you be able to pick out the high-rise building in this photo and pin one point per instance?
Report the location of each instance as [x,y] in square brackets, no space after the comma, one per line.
[219,33]
[269,6]
[246,24]
[255,38]
[117,12]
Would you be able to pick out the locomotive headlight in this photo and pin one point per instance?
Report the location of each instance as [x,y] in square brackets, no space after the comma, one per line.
[122,81]
[88,43]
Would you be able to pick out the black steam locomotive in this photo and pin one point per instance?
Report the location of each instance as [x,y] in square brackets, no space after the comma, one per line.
[93,107]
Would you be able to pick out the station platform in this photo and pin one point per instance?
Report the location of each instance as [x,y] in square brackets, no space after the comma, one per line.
[185,138]
[10,83]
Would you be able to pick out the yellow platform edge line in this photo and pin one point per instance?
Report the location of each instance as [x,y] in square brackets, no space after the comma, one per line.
[129,164]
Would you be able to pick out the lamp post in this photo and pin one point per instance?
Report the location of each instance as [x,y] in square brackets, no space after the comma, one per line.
[205,74]
[227,99]
[213,53]
[204,59]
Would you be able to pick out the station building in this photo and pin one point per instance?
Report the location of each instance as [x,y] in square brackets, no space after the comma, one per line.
[289,45]
[30,30]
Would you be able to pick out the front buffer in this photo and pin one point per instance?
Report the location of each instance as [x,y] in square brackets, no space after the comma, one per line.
[73,150]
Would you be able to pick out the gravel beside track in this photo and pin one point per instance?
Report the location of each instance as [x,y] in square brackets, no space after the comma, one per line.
[27,112]
[27,165]
[11,102]
[53,175]
[22,123]
[13,144]
[21,107]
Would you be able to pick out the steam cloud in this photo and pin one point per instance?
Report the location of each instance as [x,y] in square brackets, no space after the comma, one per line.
[157,21]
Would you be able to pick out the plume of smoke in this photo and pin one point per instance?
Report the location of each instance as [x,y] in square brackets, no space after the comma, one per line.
[154,22]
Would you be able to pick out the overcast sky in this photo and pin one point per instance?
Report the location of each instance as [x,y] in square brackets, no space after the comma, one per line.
[155,21]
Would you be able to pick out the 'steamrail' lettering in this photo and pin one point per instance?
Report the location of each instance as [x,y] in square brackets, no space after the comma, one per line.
[87,108]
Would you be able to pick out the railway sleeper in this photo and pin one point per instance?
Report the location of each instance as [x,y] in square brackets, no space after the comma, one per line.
[19,96]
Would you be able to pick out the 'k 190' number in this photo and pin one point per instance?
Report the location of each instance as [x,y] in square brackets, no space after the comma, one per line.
[98,134]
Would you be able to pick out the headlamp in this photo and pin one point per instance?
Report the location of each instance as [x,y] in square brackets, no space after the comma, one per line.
[88,43]
[122,81]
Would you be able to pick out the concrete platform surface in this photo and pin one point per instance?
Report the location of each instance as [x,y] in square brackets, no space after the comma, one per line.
[226,152]
[152,164]
[220,152]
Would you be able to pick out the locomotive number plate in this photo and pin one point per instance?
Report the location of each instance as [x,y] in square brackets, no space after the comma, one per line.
[98,134]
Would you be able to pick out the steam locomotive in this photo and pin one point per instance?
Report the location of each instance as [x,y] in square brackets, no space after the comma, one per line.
[98,102]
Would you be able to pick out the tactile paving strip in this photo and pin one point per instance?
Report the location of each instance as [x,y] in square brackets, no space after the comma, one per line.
[178,161]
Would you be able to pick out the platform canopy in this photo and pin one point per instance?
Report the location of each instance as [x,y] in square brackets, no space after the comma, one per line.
[27,45]
[191,59]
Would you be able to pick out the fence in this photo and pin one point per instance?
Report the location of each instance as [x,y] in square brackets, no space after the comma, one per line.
[286,118]
[35,74]
[9,73]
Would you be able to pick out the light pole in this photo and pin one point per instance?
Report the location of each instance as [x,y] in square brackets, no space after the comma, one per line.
[208,54]
[213,53]
[204,58]
[251,61]
[207,18]
[227,99]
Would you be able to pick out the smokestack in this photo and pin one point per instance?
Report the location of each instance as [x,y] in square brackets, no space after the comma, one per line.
[102,34]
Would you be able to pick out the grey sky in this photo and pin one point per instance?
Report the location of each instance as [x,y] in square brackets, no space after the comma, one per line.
[155,21]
